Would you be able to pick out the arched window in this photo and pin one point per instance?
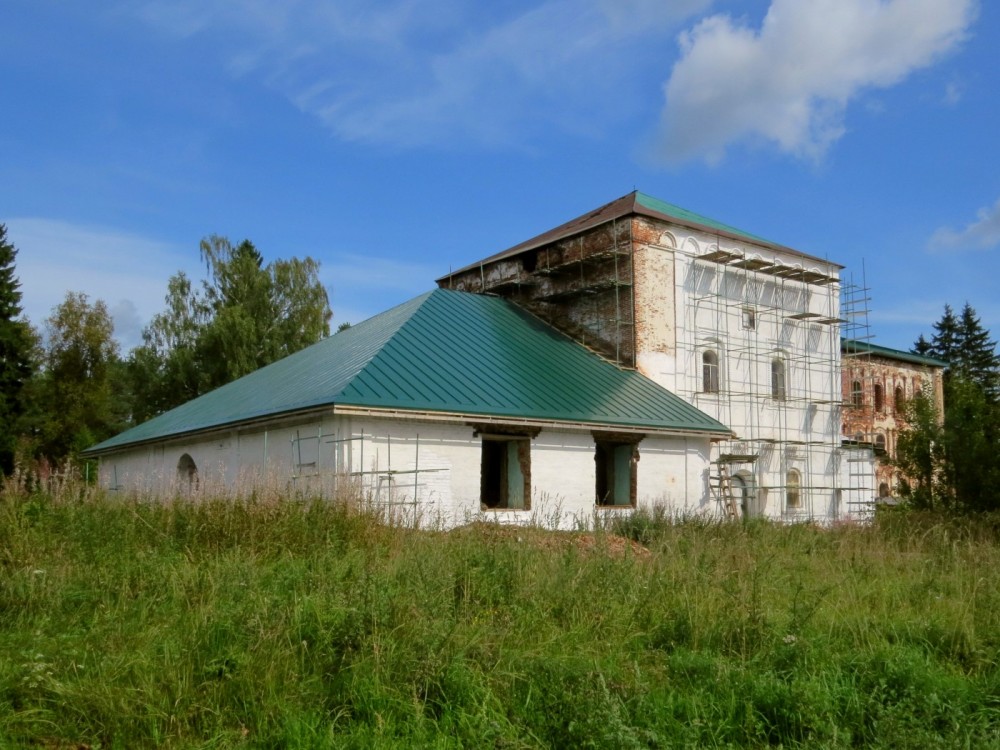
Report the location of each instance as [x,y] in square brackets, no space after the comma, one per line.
[880,442]
[187,474]
[878,397]
[900,400]
[883,490]
[793,490]
[709,371]
[857,394]
[779,390]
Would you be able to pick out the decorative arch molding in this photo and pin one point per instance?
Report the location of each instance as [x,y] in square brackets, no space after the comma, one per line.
[668,240]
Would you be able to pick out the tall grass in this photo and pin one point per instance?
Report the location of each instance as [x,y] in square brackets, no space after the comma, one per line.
[268,623]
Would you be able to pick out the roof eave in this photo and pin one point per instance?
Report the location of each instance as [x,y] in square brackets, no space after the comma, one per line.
[278,417]
[644,211]
[464,417]
[413,414]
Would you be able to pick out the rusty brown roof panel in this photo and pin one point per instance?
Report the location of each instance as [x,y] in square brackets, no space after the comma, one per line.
[640,204]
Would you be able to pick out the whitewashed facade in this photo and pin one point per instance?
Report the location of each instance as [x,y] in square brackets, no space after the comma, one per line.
[414,470]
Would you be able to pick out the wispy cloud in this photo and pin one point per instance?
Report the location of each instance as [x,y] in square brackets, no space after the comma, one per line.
[952,93]
[789,82]
[361,286]
[981,234]
[351,271]
[414,72]
[128,271]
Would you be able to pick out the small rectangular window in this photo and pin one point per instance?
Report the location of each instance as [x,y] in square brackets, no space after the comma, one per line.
[505,481]
[615,464]
[749,319]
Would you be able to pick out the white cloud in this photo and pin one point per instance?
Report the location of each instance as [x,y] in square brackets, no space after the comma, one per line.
[129,272]
[983,233]
[361,286]
[788,83]
[414,72]
[952,93]
[351,271]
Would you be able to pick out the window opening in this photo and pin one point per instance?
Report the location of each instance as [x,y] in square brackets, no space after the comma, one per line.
[793,490]
[857,394]
[900,399]
[615,463]
[749,319]
[778,387]
[710,371]
[878,397]
[883,490]
[506,473]
[880,443]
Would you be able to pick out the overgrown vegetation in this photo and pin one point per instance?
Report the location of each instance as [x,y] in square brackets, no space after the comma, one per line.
[266,623]
[950,458]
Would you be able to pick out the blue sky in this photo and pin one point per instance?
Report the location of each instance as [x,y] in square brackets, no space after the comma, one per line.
[394,140]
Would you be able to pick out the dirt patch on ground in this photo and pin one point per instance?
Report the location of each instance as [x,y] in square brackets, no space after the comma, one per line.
[599,543]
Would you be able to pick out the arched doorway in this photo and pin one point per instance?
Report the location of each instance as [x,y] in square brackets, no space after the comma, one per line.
[187,474]
[745,490]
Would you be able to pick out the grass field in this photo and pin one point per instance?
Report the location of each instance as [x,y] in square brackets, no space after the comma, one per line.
[262,623]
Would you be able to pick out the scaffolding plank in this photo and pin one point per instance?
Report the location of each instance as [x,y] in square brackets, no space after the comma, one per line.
[737,458]
[719,256]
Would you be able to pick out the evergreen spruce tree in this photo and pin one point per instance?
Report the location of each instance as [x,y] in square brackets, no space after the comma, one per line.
[953,463]
[945,344]
[977,359]
[16,343]
[922,346]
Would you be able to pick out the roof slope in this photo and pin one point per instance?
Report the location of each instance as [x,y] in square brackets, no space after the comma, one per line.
[444,351]
[642,205]
[854,346]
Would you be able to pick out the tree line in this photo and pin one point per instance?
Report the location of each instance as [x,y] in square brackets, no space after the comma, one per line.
[950,459]
[67,386]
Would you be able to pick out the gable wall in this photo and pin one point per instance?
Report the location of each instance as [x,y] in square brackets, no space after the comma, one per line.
[581,286]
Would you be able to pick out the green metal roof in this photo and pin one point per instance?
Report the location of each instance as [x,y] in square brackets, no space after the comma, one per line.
[854,346]
[444,351]
[690,217]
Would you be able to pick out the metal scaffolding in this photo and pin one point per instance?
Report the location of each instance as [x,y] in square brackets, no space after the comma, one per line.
[775,329]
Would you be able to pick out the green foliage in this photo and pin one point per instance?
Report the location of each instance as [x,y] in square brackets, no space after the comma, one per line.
[16,345]
[951,459]
[74,398]
[920,455]
[244,316]
[262,623]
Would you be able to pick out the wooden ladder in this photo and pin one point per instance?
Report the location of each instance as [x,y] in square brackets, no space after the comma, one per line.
[726,494]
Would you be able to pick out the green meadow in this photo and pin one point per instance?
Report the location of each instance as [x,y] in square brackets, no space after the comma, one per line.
[274,623]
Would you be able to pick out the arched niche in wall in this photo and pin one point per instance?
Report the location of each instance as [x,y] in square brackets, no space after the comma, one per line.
[187,473]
